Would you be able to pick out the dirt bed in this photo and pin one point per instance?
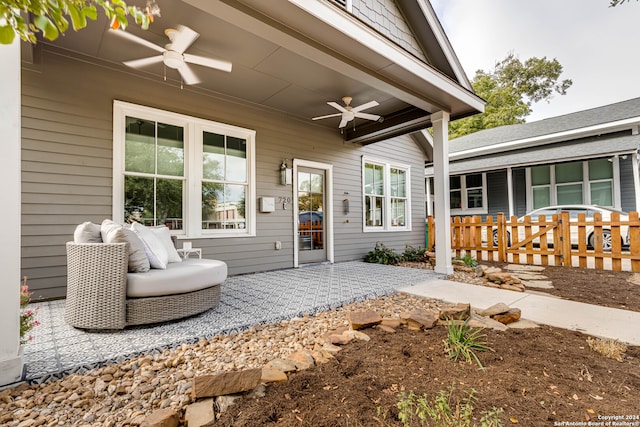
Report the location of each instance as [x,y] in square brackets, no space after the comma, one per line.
[539,377]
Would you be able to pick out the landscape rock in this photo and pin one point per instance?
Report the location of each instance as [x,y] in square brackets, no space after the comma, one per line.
[476,321]
[321,356]
[162,418]
[200,413]
[356,335]
[510,316]
[339,339]
[271,375]
[512,287]
[523,324]
[224,402]
[282,365]
[385,328]
[494,309]
[538,284]
[458,312]
[226,383]
[524,267]
[303,359]
[330,348]
[422,318]
[393,322]
[363,319]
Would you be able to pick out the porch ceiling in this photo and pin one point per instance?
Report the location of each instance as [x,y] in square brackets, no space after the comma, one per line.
[288,59]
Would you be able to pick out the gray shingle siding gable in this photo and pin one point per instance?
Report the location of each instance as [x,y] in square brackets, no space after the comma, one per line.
[385,16]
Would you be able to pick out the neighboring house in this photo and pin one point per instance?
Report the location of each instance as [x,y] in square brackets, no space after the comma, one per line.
[103,140]
[587,157]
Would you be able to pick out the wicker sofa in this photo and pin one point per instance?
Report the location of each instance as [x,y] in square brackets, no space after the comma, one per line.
[101,294]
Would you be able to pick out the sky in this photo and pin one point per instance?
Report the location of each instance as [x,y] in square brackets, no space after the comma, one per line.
[597,46]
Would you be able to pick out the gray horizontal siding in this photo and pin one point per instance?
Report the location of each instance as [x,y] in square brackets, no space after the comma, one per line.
[67,168]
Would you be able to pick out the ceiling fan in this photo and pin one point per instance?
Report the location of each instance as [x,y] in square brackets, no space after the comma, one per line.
[172,54]
[348,113]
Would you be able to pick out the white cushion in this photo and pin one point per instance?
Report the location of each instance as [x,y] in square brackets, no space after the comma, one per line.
[164,235]
[187,276]
[153,247]
[113,232]
[87,232]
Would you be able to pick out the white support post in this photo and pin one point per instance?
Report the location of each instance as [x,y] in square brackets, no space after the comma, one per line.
[440,122]
[10,357]
[635,160]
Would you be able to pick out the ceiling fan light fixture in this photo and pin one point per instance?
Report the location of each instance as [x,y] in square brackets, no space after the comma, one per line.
[172,59]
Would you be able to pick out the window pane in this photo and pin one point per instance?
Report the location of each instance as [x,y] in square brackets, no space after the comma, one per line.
[304,201]
[473,180]
[398,212]
[212,156]
[569,194]
[169,203]
[373,206]
[304,181]
[236,159]
[455,200]
[138,200]
[474,198]
[316,183]
[540,175]
[140,140]
[541,197]
[600,169]
[601,193]
[569,172]
[212,198]
[455,183]
[170,150]
[234,203]
[398,183]
[373,179]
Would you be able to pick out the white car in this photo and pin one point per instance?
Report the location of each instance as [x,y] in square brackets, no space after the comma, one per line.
[574,210]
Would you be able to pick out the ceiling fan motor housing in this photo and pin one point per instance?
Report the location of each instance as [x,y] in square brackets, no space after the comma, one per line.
[172,59]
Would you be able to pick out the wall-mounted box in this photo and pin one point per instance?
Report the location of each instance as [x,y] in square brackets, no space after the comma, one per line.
[267,204]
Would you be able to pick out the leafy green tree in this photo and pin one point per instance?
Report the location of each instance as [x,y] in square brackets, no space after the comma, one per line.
[615,3]
[51,17]
[510,89]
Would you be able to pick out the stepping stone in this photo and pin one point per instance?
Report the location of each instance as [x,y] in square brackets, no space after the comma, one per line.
[528,276]
[524,267]
[538,284]
[523,324]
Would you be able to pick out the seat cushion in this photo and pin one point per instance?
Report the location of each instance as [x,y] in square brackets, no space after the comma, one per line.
[179,277]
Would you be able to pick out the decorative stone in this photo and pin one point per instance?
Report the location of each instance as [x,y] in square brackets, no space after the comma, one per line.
[510,316]
[457,312]
[510,287]
[321,356]
[538,284]
[341,339]
[363,319]
[476,321]
[500,277]
[271,375]
[393,322]
[494,309]
[200,413]
[282,365]
[523,324]
[224,402]
[385,328]
[162,418]
[357,335]
[421,318]
[524,267]
[303,359]
[225,383]
[330,348]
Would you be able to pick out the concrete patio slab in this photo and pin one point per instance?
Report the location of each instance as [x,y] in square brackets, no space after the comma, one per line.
[590,319]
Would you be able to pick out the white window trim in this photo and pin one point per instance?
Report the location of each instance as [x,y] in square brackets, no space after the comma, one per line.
[465,202]
[193,127]
[386,227]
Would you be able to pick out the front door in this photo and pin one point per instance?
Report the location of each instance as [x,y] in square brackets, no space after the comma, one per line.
[312,236]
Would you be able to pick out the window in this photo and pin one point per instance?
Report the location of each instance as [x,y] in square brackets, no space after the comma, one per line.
[386,196]
[468,193]
[585,182]
[192,175]
[346,4]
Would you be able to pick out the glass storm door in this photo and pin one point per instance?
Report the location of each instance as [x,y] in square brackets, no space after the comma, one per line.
[311,224]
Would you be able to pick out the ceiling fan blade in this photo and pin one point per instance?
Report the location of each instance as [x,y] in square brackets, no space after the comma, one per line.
[187,75]
[337,106]
[142,62]
[365,106]
[327,116]
[218,64]
[368,116]
[181,38]
[343,123]
[136,39]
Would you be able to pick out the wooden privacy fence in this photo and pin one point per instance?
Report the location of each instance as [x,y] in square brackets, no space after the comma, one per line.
[612,244]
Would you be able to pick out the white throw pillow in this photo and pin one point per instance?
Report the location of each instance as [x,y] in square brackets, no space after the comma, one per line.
[113,232]
[87,232]
[164,235]
[154,248]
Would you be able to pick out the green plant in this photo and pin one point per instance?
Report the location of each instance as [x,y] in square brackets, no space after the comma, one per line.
[383,255]
[444,411]
[469,260]
[27,316]
[414,254]
[463,341]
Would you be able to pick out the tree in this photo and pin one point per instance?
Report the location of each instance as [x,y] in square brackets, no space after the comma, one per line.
[51,17]
[615,3]
[510,90]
